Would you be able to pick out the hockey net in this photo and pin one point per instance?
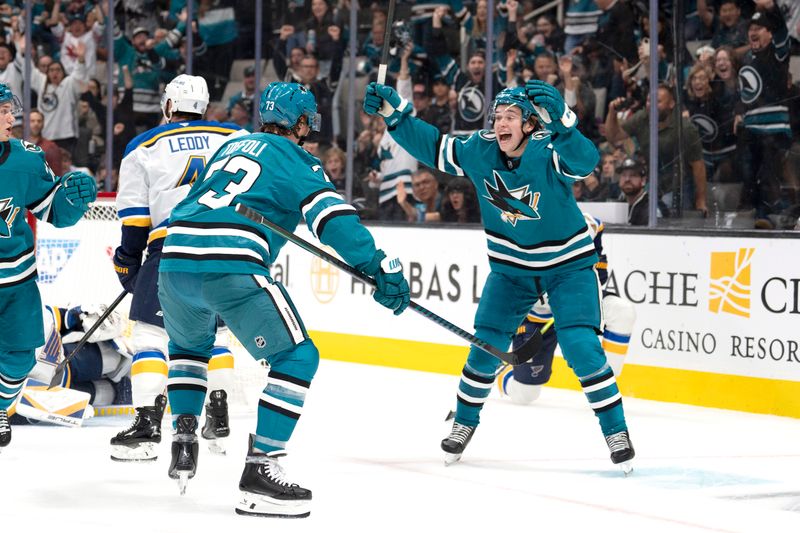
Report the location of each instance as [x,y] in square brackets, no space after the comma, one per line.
[75,267]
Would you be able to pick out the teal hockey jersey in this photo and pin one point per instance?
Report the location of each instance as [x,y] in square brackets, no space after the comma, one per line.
[27,184]
[280,180]
[532,222]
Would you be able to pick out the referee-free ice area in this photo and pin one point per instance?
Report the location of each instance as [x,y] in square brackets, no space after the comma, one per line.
[368,446]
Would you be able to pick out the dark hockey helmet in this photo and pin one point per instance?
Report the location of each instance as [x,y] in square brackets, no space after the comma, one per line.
[513,96]
[284,103]
[6,96]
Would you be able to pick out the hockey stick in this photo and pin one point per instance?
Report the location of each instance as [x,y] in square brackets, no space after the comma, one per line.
[62,366]
[387,38]
[522,354]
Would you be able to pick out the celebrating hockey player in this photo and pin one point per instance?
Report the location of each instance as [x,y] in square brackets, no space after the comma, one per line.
[157,171]
[26,184]
[537,240]
[217,261]
[523,383]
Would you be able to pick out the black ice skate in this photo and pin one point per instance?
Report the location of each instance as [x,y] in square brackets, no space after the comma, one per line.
[5,429]
[216,428]
[455,443]
[622,452]
[265,490]
[184,451]
[139,442]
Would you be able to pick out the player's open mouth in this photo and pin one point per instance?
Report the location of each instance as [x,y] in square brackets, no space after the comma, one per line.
[504,137]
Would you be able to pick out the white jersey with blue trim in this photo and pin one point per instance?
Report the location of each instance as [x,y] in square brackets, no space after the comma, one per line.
[158,169]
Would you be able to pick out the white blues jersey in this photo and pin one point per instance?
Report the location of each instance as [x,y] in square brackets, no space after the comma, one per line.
[157,171]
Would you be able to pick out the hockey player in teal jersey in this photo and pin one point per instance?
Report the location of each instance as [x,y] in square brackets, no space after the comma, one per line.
[26,184]
[536,237]
[216,261]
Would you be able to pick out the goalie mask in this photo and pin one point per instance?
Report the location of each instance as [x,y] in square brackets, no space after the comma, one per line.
[185,94]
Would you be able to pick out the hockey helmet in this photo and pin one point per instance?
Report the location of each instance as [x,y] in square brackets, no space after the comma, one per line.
[284,103]
[513,96]
[6,96]
[188,94]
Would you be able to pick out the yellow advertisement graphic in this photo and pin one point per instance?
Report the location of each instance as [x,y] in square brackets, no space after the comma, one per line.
[729,287]
[324,280]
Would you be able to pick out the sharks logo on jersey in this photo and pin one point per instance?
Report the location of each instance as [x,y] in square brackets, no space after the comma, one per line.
[706,126]
[7,213]
[514,204]
[750,84]
[471,103]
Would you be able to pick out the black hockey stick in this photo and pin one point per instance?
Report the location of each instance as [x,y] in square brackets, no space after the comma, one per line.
[522,354]
[62,366]
[387,39]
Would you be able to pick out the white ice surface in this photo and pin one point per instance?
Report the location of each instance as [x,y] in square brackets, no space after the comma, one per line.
[368,447]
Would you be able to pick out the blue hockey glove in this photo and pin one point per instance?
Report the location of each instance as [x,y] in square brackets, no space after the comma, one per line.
[385,101]
[127,268]
[392,288]
[79,188]
[550,107]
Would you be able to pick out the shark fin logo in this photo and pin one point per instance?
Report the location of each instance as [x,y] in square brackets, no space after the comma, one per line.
[729,285]
[7,214]
[514,205]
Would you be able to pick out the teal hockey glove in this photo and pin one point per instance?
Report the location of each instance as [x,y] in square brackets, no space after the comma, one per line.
[383,100]
[392,288]
[79,188]
[554,114]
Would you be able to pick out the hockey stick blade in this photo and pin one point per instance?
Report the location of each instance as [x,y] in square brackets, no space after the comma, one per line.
[521,355]
[62,366]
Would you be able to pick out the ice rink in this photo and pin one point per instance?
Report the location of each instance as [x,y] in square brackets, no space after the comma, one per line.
[368,447]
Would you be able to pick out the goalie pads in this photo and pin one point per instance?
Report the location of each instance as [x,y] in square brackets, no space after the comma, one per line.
[64,407]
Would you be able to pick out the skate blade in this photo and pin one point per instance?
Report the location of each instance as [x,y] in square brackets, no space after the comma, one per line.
[626,467]
[145,451]
[216,446]
[451,458]
[183,481]
[253,504]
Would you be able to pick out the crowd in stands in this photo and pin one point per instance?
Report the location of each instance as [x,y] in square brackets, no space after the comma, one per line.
[728,114]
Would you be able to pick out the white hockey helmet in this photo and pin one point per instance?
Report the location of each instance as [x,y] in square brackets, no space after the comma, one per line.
[188,94]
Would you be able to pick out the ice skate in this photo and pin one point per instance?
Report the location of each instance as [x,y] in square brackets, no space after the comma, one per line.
[140,441]
[455,443]
[5,429]
[184,451]
[265,490]
[216,429]
[622,452]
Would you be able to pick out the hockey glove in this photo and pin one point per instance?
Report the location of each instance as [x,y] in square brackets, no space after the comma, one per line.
[392,288]
[550,107]
[127,268]
[79,188]
[385,101]
[83,317]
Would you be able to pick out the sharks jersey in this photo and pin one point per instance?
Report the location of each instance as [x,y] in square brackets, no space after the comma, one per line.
[274,176]
[27,184]
[764,80]
[532,222]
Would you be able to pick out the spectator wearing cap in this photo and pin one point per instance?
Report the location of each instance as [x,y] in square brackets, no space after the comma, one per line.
[71,28]
[767,135]
[632,178]
[638,128]
[58,95]
[728,26]
[248,88]
[432,112]
[242,113]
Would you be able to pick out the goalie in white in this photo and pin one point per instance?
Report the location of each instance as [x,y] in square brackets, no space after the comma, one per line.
[98,374]
[156,173]
[523,383]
